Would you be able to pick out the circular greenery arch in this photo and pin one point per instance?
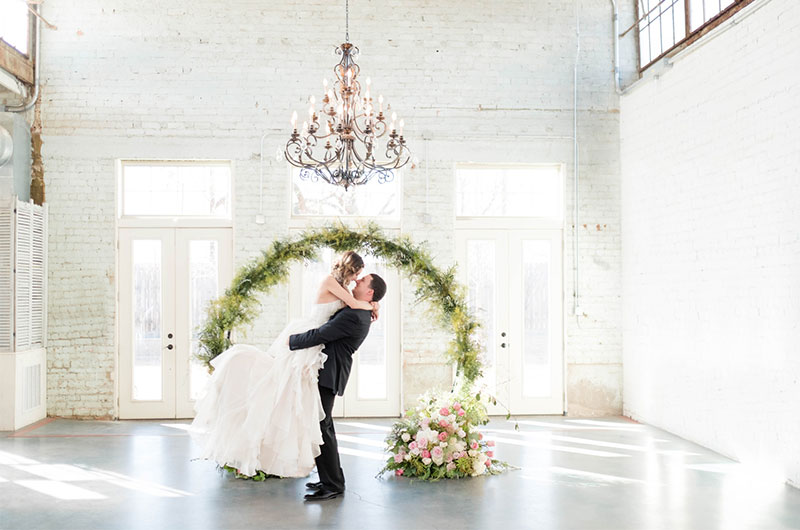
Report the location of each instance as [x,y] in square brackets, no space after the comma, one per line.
[445,296]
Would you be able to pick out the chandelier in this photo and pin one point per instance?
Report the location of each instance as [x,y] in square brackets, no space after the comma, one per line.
[341,142]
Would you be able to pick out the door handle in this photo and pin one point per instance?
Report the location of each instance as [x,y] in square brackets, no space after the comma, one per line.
[503,345]
[170,346]
[169,336]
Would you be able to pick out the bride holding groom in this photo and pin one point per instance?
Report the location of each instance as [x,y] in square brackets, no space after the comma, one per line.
[270,410]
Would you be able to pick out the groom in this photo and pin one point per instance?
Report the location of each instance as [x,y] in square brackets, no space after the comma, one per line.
[341,335]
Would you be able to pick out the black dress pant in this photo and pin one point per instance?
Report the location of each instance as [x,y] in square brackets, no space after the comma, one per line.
[328,466]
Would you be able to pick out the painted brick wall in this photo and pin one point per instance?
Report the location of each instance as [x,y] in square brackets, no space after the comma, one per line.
[711,248]
[485,82]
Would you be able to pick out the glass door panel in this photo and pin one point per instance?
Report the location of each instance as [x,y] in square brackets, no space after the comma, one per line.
[146,323]
[204,270]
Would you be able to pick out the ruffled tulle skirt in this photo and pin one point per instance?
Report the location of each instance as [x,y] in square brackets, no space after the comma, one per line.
[262,409]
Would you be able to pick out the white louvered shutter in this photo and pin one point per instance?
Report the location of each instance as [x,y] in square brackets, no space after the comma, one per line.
[6,275]
[38,280]
[23,266]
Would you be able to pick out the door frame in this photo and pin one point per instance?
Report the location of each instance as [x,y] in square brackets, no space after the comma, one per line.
[175,404]
[391,304]
[507,229]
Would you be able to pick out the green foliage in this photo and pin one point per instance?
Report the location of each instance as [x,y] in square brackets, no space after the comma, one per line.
[438,288]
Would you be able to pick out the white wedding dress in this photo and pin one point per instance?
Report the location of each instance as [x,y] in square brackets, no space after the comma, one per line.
[262,409]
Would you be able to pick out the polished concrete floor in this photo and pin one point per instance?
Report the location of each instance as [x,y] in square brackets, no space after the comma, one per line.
[581,474]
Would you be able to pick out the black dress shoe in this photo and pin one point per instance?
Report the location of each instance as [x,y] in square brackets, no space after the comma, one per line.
[314,485]
[323,495]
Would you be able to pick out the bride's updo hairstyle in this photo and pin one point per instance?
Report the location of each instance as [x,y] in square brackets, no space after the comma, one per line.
[350,263]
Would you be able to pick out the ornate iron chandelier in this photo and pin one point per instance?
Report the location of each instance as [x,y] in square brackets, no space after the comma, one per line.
[339,143]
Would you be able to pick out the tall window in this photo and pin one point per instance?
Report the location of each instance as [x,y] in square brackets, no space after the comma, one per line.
[665,24]
[15,24]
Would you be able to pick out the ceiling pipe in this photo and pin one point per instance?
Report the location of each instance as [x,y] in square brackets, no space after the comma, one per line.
[24,107]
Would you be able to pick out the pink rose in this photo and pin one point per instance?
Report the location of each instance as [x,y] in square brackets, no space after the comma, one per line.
[426,454]
[473,445]
[457,406]
[436,452]
[461,412]
[442,436]
[444,411]
[488,463]
[480,436]
[490,443]
[443,423]
[412,446]
[490,454]
[398,472]
[450,457]
[451,466]
[422,442]
[398,458]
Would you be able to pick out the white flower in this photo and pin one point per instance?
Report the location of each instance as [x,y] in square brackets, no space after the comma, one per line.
[482,458]
[407,457]
[478,468]
[461,433]
[472,452]
[406,437]
[442,444]
[426,461]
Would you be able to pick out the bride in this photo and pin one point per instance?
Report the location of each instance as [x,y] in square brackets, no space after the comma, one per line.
[262,409]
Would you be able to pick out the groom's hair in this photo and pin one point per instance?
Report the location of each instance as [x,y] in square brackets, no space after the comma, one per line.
[378,287]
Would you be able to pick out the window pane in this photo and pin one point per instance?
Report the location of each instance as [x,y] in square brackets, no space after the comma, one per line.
[534,191]
[147,320]
[481,292]
[203,286]
[696,14]
[374,199]
[535,349]
[176,190]
[14,24]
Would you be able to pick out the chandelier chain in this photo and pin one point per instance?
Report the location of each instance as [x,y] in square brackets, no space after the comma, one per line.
[347,20]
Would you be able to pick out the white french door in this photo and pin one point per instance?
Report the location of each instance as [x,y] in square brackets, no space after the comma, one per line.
[167,276]
[373,389]
[514,284]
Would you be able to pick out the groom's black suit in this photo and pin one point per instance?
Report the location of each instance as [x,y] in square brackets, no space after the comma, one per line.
[341,335]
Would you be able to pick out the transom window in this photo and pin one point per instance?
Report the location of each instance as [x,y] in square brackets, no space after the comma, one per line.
[665,24]
[176,189]
[509,191]
[318,198]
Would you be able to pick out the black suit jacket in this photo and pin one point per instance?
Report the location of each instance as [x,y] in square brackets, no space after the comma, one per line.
[341,335]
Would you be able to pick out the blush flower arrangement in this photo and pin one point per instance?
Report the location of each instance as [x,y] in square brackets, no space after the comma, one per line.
[440,439]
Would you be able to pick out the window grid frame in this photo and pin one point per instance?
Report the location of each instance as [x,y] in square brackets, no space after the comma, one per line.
[690,35]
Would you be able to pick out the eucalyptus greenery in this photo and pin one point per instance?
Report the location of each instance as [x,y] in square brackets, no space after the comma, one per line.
[444,295]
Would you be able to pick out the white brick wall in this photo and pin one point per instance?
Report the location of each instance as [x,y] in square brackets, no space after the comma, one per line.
[711,246]
[486,82]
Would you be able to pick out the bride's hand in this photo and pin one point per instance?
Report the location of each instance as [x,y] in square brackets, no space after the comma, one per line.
[375,307]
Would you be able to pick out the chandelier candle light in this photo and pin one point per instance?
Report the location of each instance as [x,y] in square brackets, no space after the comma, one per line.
[338,143]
